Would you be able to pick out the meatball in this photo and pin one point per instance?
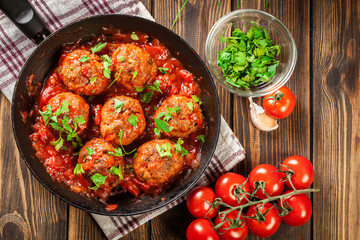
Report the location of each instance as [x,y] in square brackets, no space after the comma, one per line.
[124,114]
[77,108]
[82,72]
[157,161]
[133,67]
[186,116]
[95,158]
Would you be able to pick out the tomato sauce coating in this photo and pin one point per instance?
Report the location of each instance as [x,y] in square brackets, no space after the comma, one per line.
[101,130]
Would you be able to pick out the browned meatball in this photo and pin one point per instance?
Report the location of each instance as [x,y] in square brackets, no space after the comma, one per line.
[186,116]
[100,161]
[76,107]
[84,77]
[135,66]
[124,114]
[153,168]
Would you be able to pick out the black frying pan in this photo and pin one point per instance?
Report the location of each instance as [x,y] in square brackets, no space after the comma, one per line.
[46,56]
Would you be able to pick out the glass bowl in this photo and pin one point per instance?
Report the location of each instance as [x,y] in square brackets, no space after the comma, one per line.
[278,33]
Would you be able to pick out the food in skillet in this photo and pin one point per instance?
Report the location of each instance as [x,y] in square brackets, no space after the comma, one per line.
[118,114]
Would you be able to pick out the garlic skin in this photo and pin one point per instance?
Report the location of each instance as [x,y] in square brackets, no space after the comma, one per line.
[260,119]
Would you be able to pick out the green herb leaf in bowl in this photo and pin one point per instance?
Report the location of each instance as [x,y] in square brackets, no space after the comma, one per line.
[249,57]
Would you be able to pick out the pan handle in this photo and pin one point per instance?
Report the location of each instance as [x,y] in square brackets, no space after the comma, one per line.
[24,16]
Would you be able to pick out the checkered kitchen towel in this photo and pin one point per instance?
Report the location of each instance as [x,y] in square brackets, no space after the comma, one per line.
[16,48]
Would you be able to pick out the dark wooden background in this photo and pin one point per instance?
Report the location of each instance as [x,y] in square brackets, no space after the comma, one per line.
[324,127]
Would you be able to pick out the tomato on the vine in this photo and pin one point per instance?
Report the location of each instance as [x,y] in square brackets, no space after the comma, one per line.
[227,233]
[201,229]
[268,174]
[225,187]
[301,209]
[196,202]
[303,171]
[269,225]
[280,103]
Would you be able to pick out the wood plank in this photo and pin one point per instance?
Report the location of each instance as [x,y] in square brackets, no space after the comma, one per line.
[293,135]
[193,25]
[27,209]
[83,226]
[336,132]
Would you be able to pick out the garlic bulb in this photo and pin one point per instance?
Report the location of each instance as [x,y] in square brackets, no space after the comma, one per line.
[260,119]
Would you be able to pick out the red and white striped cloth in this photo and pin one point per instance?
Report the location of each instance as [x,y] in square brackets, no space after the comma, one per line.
[15,48]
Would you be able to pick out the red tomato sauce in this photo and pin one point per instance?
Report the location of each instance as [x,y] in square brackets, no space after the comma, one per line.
[60,164]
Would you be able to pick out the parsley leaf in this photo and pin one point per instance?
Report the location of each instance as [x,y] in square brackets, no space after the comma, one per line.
[133,120]
[155,87]
[190,106]
[98,47]
[84,58]
[139,89]
[157,132]
[196,99]
[162,125]
[78,169]
[46,114]
[181,149]
[58,143]
[249,57]
[115,79]
[146,97]
[134,74]
[64,108]
[164,150]
[92,80]
[121,58]
[117,171]
[134,36]
[163,70]
[90,152]
[201,138]
[118,105]
[107,63]
[98,180]
[117,152]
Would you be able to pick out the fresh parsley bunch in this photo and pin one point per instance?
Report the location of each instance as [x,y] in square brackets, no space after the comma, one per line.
[249,57]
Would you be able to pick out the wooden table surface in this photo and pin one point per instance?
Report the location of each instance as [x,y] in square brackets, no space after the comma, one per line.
[325,127]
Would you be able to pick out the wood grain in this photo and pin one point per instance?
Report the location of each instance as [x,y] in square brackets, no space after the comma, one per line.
[27,210]
[336,132]
[293,136]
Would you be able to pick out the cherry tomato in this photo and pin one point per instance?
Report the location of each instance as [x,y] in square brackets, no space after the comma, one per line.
[201,229]
[225,186]
[265,228]
[197,205]
[301,209]
[303,169]
[238,233]
[266,173]
[280,103]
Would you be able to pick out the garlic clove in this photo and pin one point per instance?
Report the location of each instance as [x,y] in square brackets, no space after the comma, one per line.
[260,119]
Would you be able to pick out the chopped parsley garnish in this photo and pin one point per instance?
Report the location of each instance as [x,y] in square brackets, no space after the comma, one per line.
[139,89]
[155,87]
[64,126]
[201,138]
[118,105]
[97,48]
[190,106]
[90,152]
[146,97]
[181,149]
[92,80]
[98,180]
[196,99]
[134,36]
[121,58]
[134,74]
[84,58]
[249,57]
[78,169]
[115,79]
[121,132]
[107,63]
[162,126]
[117,152]
[164,150]
[133,120]
[117,171]
[163,70]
